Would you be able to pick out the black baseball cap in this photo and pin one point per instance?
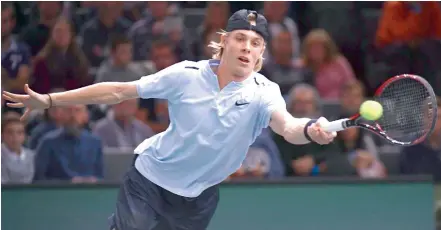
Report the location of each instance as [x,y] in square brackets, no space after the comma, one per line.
[239,21]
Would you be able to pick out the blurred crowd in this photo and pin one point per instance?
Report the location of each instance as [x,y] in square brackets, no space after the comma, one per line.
[326,57]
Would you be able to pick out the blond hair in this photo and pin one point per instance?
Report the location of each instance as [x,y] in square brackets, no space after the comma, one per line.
[218,48]
[319,36]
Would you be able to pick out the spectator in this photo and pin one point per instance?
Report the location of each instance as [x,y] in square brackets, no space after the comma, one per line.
[36,35]
[119,66]
[216,18]
[70,153]
[17,161]
[207,51]
[61,63]
[262,160]
[162,56]
[309,159]
[408,22]
[331,69]
[161,21]
[120,129]
[281,68]
[53,118]
[16,57]
[95,34]
[424,158]
[408,38]
[351,97]
[278,21]
[362,152]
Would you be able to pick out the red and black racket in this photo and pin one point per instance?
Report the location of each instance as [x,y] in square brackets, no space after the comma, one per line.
[409,111]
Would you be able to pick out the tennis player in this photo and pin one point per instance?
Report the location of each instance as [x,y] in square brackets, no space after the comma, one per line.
[217,109]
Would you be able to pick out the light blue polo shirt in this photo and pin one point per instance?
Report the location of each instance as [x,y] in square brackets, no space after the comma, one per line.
[210,129]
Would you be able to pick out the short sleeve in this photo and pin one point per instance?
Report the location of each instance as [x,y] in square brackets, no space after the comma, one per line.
[271,100]
[164,84]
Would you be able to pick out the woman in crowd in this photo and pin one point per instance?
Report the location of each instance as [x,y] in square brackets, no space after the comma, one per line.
[331,69]
[61,63]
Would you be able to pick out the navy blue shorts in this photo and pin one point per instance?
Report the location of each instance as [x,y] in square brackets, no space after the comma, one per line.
[142,205]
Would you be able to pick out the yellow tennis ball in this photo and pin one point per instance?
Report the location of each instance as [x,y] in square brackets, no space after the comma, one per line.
[371,110]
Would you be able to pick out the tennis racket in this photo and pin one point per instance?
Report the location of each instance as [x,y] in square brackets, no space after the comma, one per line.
[409,111]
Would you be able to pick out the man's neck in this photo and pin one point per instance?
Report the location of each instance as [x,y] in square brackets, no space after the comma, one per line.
[122,120]
[283,61]
[15,149]
[116,63]
[224,76]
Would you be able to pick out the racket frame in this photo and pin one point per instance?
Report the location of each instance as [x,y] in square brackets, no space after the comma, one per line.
[354,121]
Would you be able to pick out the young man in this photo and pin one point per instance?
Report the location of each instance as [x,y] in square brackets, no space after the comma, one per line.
[217,109]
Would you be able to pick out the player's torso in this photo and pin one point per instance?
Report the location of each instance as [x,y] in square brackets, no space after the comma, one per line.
[208,113]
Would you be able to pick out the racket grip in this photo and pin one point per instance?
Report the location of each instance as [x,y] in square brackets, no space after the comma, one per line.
[335,126]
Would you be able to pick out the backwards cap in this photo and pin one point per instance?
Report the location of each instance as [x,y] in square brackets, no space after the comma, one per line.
[239,21]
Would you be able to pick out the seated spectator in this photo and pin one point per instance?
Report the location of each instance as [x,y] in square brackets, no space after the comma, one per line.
[161,21]
[119,66]
[53,118]
[120,129]
[95,33]
[309,159]
[215,20]
[330,68]
[61,63]
[16,57]
[362,152]
[37,34]
[70,153]
[407,39]
[352,96]
[281,67]
[262,160]
[276,13]
[17,161]
[424,158]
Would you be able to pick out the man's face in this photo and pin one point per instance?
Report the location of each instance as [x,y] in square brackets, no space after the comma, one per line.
[49,10]
[123,53]
[158,9]
[351,100]
[304,104]
[79,115]
[242,50]
[163,57]
[8,22]
[126,109]
[14,135]
[282,46]
[275,11]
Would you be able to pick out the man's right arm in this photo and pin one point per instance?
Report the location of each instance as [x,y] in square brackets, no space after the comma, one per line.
[164,84]
[100,93]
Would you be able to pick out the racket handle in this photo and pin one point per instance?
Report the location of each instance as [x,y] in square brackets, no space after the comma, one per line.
[335,126]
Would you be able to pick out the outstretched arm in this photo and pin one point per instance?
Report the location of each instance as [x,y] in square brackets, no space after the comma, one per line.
[293,129]
[163,84]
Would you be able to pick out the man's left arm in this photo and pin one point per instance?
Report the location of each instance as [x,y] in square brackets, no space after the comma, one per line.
[294,130]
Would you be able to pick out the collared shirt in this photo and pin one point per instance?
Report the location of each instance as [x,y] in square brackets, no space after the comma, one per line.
[62,156]
[17,168]
[210,129]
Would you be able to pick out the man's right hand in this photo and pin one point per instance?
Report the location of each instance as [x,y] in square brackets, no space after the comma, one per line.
[31,100]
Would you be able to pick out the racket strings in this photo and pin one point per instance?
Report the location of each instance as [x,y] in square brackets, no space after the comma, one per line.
[407,110]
